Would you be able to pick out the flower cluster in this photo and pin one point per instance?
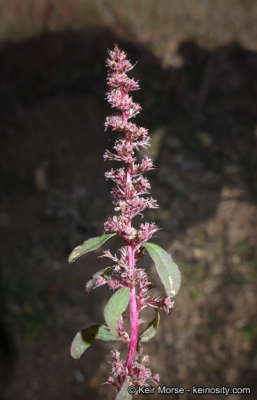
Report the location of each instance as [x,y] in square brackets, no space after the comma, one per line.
[130,184]
[140,373]
[130,198]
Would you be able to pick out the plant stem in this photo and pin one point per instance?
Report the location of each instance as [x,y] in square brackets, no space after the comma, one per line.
[131,263]
[133,317]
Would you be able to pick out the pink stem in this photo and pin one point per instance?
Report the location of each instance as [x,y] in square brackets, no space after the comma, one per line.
[132,298]
[133,318]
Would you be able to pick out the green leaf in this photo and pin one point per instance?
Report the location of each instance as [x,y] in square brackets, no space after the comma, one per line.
[85,338]
[167,270]
[90,285]
[103,272]
[151,329]
[123,393]
[104,333]
[89,245]
[115,307]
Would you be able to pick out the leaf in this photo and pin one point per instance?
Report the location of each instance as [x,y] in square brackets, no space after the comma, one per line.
[89,245]
[85,338]
[103,272]
[115,307]
[151,329]
[105,334]
[167,270]
[90,285]
[123,393]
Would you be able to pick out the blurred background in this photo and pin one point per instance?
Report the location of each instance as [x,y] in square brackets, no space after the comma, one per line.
[197,67]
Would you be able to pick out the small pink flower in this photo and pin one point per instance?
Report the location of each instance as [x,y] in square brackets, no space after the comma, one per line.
[146,231]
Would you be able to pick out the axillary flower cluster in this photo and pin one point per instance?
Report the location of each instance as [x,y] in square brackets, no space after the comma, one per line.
[131,284]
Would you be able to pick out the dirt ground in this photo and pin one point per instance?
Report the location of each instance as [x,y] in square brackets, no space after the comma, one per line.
[202,117]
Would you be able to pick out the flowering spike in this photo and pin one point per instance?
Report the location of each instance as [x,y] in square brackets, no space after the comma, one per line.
[130,198]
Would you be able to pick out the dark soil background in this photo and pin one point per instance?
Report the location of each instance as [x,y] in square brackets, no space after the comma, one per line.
[200,109]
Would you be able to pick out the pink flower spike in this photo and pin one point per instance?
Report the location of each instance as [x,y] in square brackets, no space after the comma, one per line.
[131,285]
